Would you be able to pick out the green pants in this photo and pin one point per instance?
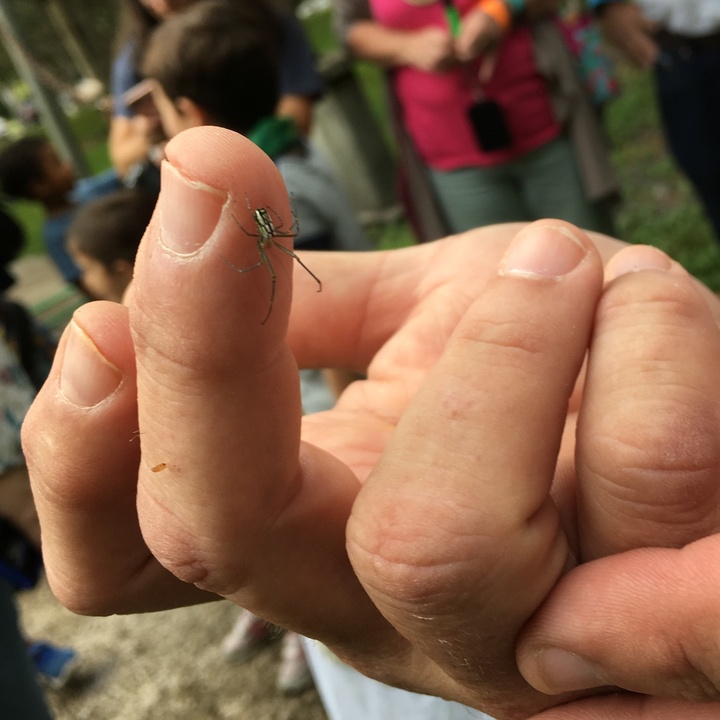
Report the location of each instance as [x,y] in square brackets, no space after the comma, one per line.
[543,183]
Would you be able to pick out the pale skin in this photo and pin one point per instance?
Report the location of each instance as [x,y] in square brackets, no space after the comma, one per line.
[102,281]
[437,528]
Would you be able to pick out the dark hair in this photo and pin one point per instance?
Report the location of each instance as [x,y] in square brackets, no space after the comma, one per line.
[21,165]
[222,55]
[110,228]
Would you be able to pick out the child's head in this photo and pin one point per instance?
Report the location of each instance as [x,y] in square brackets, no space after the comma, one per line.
[104,237]
[215,63]
[31,168]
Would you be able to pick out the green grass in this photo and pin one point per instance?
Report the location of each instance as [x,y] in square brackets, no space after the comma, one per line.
[659,206]
[390,236]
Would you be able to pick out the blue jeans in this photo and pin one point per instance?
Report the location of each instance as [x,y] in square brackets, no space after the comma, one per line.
[20,695]
[688,86]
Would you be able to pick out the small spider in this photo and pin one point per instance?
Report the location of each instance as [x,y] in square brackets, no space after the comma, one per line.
[267,231]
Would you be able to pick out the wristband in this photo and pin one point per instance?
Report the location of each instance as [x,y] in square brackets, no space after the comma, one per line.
[499,11]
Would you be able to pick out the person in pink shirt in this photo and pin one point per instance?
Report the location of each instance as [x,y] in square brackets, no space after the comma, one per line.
[475,105]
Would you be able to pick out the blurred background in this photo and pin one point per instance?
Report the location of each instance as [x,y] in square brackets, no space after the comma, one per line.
[68,54]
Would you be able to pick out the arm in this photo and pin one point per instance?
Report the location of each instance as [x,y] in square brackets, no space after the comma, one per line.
[625,26]
[131,135]
[430,49]
[299,108]
[484,27]
[300,82]
[131,140]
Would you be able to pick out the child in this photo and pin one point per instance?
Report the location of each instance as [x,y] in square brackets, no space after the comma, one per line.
[31,168]
[25,356]
[216,63]
[104,237]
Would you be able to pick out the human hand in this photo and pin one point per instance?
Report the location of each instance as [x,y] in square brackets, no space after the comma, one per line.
[480,33]
[625,26]
[149,128]
[430,49]
[643,616]
[454,535]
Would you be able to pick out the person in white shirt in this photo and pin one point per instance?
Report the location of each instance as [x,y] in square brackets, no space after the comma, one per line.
[680,39]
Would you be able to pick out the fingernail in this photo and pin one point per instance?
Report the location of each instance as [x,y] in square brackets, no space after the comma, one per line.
[189,210]
[636,258]
[86,377]
[543,251]
[564,671]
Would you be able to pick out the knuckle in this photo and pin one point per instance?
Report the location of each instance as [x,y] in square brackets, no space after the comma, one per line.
[188,555]
[509,343]
[660,470]
[418,560]
[660,435]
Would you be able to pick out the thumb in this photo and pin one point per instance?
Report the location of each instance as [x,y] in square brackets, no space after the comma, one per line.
[218,395]
[664,600]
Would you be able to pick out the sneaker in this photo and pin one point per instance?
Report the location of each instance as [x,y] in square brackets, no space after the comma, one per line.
[249,635]
[55,665]
[294,674]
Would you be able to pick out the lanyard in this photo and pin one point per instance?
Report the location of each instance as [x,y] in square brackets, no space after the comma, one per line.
[452,16]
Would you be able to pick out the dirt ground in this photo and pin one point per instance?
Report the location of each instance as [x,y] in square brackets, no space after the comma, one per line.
[160,666]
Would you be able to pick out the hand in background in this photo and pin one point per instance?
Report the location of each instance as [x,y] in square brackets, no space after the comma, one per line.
[479,34]
[625,26]
[430,49]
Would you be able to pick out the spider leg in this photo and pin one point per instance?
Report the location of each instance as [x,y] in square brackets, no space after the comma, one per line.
[280,222]
[242,270]
[265,260]
[249,234]
[304,266]
[295,227]
[279,232]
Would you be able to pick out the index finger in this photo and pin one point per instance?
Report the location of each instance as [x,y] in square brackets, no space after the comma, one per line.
[454,535]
